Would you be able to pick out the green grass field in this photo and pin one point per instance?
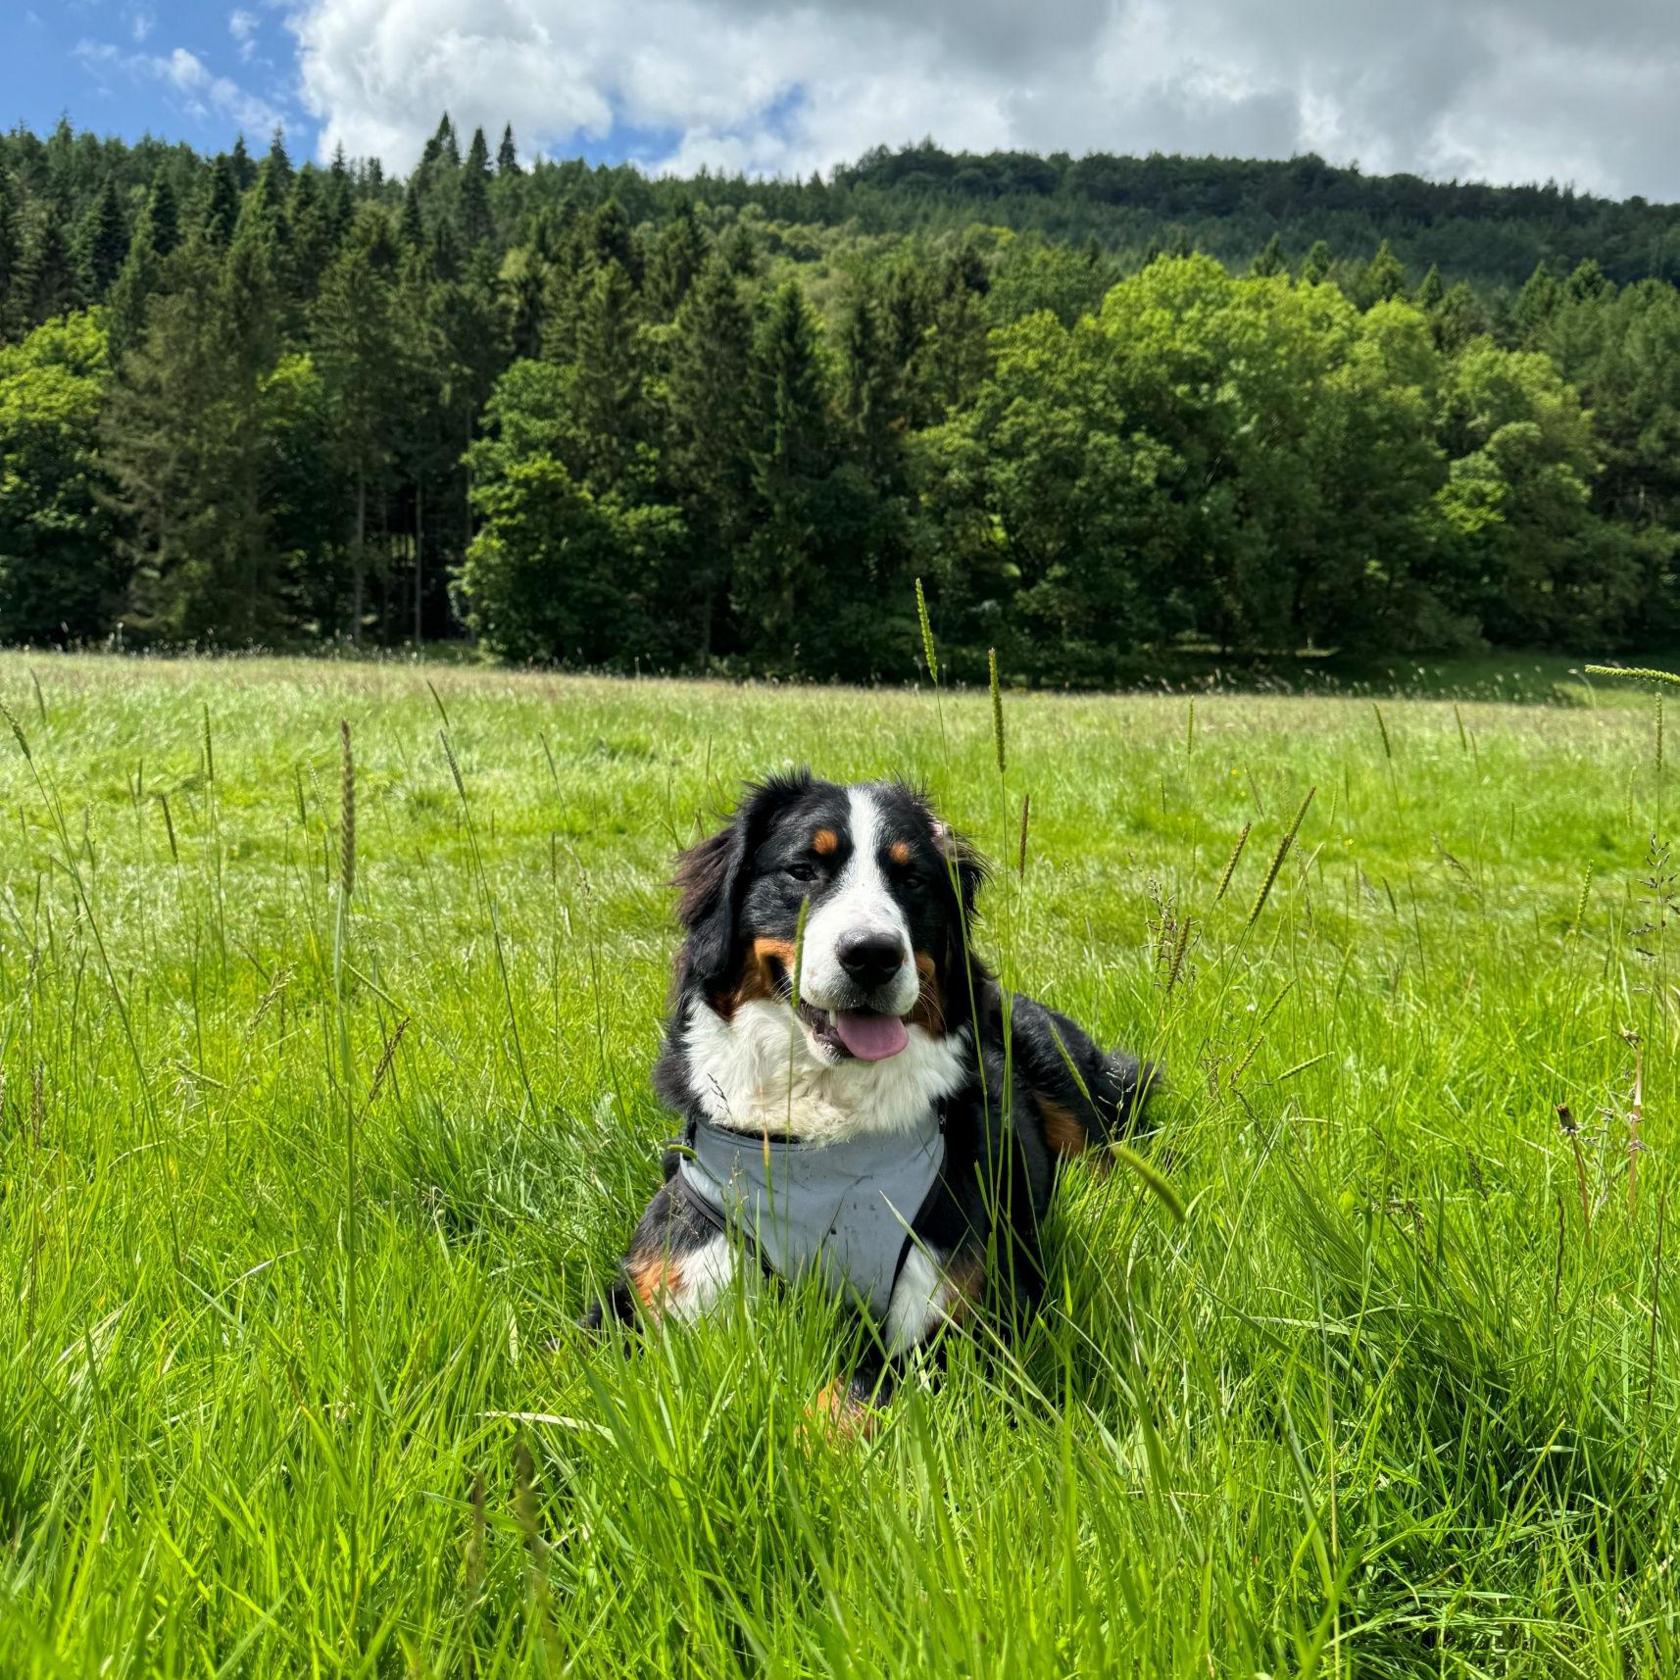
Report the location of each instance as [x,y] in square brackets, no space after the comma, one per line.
[295,1216]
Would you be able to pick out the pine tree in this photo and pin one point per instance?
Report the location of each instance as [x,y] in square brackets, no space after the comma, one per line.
[185,441]
[740,250]
[1384,277]
[951,359]
[1458,319]
[156,237]
[125,308]
[358,351]
[340,198]
[466,332]
[312,242]
[1431,290]
[1270,260]
[778,576]
[46,283]
[277,166]
[1587,283]
[708,395]
[474,201]
[611,413]
[790,398]
[607,237]
[1536,303]
[10,249]
[163,217]
[444,145]
[678,254]
[219,212]
[871,382]
[507,156]
[906,311]
[244,169]
[413,225]
[101,242]
[1315,268]
[524,281]
[443,252]
[264,208]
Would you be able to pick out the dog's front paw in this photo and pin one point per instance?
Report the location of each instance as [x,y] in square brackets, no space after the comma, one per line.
[843,1411]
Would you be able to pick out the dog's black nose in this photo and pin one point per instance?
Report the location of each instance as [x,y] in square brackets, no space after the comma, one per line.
[871,959]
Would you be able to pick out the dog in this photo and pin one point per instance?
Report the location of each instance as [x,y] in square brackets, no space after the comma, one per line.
[860,1098]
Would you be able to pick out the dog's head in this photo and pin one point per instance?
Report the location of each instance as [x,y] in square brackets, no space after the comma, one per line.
[888,891]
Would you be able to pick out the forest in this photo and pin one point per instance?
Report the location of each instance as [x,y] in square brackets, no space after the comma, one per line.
[1103,408]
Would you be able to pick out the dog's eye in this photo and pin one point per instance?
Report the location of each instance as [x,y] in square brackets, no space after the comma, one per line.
[801,872]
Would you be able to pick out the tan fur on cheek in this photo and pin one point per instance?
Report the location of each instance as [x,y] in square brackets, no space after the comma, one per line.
[758,976]
[928,1011]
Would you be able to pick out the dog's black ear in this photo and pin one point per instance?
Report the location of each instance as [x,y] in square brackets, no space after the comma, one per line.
[708,883]
[711,878]
[966,864]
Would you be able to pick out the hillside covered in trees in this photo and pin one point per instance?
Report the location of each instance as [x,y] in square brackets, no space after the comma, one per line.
[1100,405]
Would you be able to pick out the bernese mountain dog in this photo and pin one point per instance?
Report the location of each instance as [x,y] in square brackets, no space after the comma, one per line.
[860,1099]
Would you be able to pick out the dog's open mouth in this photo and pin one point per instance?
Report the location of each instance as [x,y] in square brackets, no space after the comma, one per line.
[855,1032]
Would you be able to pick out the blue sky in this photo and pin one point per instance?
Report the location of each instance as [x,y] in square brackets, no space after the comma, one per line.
[186,69]
[1502,90]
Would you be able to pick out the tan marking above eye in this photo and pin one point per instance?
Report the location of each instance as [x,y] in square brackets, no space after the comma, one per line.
[899,851]
[824,841]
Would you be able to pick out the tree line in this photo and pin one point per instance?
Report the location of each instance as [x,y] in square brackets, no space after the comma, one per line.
[599,420]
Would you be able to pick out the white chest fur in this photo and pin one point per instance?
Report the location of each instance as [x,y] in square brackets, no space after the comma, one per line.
[758,1071]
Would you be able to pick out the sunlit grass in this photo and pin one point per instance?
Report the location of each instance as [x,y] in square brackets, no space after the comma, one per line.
[1399,1396]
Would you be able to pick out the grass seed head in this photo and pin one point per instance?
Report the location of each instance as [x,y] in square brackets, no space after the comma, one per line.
[346,812]
[927,633]
[1231,862]
[997,706]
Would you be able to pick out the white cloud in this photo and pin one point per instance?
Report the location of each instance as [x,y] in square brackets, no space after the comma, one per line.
[243,27]
[143,23]
[199,91]
[1504,89]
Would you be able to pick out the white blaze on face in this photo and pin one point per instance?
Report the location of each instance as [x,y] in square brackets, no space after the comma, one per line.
[861,903]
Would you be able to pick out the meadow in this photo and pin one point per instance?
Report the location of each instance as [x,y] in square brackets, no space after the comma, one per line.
[300,1193]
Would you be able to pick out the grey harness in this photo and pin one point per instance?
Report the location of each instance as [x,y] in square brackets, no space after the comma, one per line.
[842,1208]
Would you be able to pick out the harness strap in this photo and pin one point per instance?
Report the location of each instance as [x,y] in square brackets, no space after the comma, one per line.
[715,1216]
[843,1210]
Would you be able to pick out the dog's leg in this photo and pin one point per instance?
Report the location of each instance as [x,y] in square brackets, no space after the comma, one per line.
[679,1266]
[933,1290]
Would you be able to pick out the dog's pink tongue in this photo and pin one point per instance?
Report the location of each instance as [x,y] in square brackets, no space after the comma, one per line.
[871,1038]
